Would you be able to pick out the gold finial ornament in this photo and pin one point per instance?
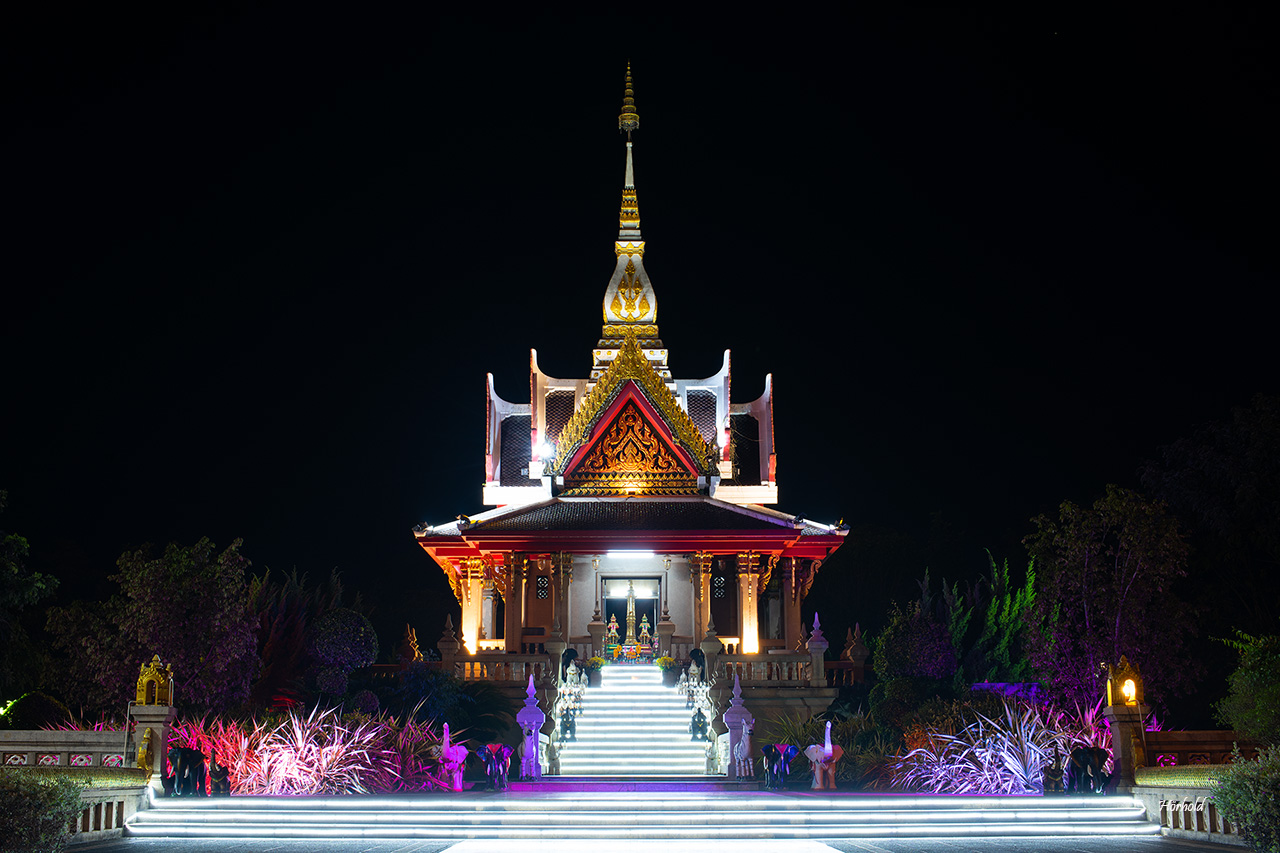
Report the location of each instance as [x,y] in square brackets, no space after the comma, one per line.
[629,120]
[155,683]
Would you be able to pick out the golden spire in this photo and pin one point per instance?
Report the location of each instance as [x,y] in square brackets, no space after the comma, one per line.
[629,120]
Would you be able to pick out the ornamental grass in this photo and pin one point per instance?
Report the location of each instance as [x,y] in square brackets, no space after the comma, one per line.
[1001,754]
[320,753]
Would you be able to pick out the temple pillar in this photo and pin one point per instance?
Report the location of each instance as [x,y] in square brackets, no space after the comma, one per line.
[665,628]
[563,569]
[792,623]
[596,626]
[514,613]
[700,576]
[748,603]
[471,584]
[488,626]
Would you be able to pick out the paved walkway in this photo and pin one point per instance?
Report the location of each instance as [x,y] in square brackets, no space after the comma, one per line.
[906,845]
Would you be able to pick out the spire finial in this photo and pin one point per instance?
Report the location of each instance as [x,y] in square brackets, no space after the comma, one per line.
[629,120]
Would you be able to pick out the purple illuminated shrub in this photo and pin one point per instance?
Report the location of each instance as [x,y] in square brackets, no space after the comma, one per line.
[914,645]
[1000,754]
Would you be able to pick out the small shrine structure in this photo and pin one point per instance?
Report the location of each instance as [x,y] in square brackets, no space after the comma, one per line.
[632,511]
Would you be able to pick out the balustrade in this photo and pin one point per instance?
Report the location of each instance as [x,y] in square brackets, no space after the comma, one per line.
[502,668]
[780,670]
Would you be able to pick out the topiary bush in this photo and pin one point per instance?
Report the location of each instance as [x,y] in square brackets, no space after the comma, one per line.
[1248,795]
[343,641]
[36,811]
[36,710]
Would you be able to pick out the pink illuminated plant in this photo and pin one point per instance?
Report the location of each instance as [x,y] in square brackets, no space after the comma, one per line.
[320,753]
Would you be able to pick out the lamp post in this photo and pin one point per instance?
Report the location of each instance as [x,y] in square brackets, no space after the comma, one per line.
[1126,714]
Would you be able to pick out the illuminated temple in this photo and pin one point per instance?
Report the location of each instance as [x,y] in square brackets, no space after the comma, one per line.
[629,496]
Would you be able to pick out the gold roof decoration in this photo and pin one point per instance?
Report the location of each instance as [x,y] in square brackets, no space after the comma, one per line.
[630,456]
[629,120]
[155,683]
[630,365]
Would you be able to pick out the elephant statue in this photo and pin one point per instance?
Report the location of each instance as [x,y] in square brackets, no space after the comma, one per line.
[742,754]
[823,758]
[188,771]
[1053,774]
[530,764]
[219,776]
[777,763]
[497,763]
[453,760]
[699,726]
[1084,770]
[568,726]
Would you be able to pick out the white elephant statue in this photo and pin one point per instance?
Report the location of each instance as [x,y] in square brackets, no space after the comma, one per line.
[823,759]
[453,760]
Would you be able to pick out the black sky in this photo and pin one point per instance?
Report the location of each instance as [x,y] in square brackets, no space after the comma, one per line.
[258,261]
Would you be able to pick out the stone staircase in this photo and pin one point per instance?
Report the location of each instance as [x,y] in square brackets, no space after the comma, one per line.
[720,816]
[633,773]
[632,726]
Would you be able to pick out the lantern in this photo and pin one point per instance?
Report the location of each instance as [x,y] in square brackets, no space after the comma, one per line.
[1124,684]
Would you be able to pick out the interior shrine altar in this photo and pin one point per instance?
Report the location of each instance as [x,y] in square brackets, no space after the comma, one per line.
[631,652]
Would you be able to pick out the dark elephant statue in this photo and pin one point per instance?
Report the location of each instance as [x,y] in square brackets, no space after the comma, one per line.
[219,777]
[1053,774]
[777,763]
[497,763]
[1084,770]
[188,771]
[700,727]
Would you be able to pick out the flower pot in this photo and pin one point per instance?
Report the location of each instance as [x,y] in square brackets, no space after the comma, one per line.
[670,676]
[593,678]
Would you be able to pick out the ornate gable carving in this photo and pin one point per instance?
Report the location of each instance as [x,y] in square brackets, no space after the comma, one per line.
[630,456]
[632,366]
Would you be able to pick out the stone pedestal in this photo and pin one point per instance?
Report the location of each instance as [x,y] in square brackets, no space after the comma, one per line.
[1127,723]
[531,719]
[448,646]
[596,629]
[740,723]
[711,647]
[666,630]
[157,719]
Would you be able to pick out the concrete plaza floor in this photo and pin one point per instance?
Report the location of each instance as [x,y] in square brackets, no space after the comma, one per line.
[764,845]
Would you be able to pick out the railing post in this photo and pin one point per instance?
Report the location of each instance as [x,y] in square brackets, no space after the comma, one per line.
[739,722]
[448,646]
[817,646]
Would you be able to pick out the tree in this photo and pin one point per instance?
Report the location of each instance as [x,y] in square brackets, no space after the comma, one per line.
[1252,705]
[914,645]
[1106,588]
[19,589]
[188,605]
[286,611]
[1225,479]
[343,641]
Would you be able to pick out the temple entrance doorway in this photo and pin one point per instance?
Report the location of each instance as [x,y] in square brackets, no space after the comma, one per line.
[631,617]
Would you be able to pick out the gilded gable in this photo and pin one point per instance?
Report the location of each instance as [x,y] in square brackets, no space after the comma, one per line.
[630,456]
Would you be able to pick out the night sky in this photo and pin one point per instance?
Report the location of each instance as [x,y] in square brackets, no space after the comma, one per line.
[258,262]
